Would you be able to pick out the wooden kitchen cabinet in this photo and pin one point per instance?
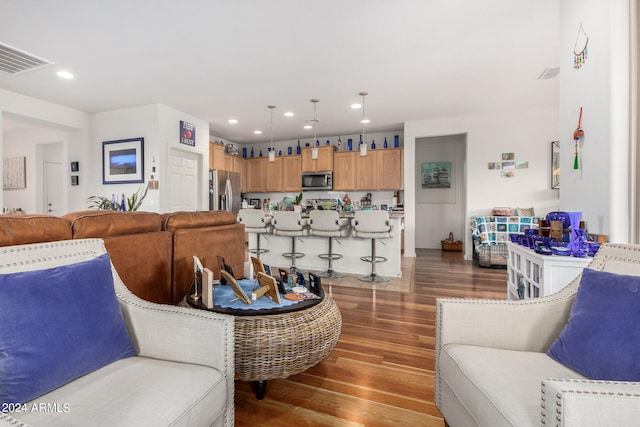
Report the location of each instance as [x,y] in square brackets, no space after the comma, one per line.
[216,156]
[273,175]
[390,169]
[378,170]
[255,174]
[344,177]
[291,173]
[324,162]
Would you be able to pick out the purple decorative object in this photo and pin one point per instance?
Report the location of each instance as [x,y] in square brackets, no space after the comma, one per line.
[560,216]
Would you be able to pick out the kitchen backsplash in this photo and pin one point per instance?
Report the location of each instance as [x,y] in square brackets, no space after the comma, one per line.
[378,198]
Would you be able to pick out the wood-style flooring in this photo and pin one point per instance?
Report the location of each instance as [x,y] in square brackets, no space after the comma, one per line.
[381,372]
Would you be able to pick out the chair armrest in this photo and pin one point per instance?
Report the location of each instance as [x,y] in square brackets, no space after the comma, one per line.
[530,325]
[344,222]
[178,334]
[7,420]
[587,403]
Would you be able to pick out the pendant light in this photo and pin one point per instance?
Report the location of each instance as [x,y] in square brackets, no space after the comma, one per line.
[272,152]
[363,146]
[314,150]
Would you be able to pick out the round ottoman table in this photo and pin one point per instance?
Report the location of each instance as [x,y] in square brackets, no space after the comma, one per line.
[281,342]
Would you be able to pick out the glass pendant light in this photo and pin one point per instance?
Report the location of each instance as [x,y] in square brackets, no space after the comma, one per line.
[314,150]
[363,145]
[272,152]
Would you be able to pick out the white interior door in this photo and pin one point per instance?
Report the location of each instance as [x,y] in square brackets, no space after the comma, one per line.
[52,188]
[183,181]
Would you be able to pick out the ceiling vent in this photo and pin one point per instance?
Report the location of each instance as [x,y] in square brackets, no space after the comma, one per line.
[15,61]
[549,73]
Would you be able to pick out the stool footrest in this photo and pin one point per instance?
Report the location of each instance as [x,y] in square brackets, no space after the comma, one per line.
[258,251]
[293,254]
[330,256]
[373,259]
[329,274]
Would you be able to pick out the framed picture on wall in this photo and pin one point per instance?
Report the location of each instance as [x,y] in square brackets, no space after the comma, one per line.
[436,175]
[123,161]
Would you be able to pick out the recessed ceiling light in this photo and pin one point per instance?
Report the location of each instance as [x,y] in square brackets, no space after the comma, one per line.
[308,127]
[233,121]
[257,132]
[65,75]
[288,114]
[365,121]
[356,106]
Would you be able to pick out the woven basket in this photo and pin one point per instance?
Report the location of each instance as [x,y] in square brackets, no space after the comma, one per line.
[280,345]
[451,245]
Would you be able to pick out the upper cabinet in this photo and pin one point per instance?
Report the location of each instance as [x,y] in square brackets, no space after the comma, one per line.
[255,174]
[378,170]
[283,174]
[324,162]
[216,156]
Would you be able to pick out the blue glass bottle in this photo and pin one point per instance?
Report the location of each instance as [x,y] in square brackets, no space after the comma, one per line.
[385,142]
[298,148]
[339,144]
[260,155]
[244,152]
[317,143]
[123,207]
[328,142]
[396,141]
[350,144]
[289,151]
[279,152]
[251,151]
[373,144]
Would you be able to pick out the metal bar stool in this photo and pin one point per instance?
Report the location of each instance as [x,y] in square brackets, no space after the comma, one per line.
[372,225]
[328,224]
[287,223]
[255,221]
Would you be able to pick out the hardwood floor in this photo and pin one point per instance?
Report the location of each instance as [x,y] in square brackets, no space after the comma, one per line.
[381,372]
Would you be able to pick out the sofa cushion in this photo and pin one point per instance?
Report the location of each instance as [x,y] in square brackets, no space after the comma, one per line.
[32,228]
[65,322]
[178,220]
[499,387]
[88,224]
[601,337]
[136,391]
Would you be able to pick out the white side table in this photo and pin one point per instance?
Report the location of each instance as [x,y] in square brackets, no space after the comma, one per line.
[539,275]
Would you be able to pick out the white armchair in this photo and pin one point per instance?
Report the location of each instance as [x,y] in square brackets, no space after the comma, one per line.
[182,373]
[491,367]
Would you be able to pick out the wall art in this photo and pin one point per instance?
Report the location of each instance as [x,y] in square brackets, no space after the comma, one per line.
[14,175]
[436,175]
[123,161]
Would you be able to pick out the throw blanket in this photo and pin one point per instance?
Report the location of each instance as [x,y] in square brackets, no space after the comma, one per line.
[492,230]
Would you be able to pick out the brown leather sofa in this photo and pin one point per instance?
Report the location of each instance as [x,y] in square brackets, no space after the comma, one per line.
[153,253]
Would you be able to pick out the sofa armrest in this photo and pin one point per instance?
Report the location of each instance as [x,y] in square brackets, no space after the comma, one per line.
[587,403]
[530,325]
[7,420]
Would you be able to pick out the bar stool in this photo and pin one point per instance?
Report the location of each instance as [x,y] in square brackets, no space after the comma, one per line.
[287,223]
[328,224]
[372,225]
[255,221]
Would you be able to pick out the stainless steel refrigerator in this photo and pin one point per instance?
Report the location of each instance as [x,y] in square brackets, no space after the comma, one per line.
[224,190]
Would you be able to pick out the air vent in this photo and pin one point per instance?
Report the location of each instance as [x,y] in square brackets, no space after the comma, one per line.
[15,61]
[549,73]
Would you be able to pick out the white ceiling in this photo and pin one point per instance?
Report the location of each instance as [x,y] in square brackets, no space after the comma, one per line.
[217,60]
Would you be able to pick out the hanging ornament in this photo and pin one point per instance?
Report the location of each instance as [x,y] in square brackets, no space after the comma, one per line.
[580,55]
[577,136]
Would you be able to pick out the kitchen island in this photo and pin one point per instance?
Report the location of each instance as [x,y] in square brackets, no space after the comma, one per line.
[350,247]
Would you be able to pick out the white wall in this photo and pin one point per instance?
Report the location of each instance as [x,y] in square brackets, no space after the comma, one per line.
[600,188]
[159,125]
[24,144]
[74,122]
[440,210]
[527,133]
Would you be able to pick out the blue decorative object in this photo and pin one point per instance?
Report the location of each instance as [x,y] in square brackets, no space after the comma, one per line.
[328,142]
[396,141]
[385,143]
[600,340]
[373,144]
[289,151]
[350,144]
[251,151]
[244,152]
[65,322]
[298,148]
[223,297]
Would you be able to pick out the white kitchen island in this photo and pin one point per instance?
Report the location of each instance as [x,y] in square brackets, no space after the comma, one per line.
[350,247]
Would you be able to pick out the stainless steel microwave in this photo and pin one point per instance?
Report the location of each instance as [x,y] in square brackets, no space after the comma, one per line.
[317,180]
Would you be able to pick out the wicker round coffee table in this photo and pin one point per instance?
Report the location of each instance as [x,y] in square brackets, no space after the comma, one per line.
[284,342]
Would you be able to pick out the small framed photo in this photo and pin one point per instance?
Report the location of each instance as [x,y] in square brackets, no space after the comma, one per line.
[315,285]
[75,167]
[255,203]
[123,161]
[75,180]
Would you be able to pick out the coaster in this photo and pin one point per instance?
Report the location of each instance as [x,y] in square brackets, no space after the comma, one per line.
[293,297]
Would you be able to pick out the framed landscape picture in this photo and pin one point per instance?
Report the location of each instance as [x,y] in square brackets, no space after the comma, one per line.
[123,161]
[436,175]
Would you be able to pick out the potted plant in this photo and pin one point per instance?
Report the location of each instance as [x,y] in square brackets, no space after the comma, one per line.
[297,207]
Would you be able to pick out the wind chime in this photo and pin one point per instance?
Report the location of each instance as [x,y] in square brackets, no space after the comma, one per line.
[580,57]
[577,136]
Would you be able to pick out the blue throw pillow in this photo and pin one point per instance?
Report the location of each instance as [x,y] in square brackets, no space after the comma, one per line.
[57,325]
[602,338]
